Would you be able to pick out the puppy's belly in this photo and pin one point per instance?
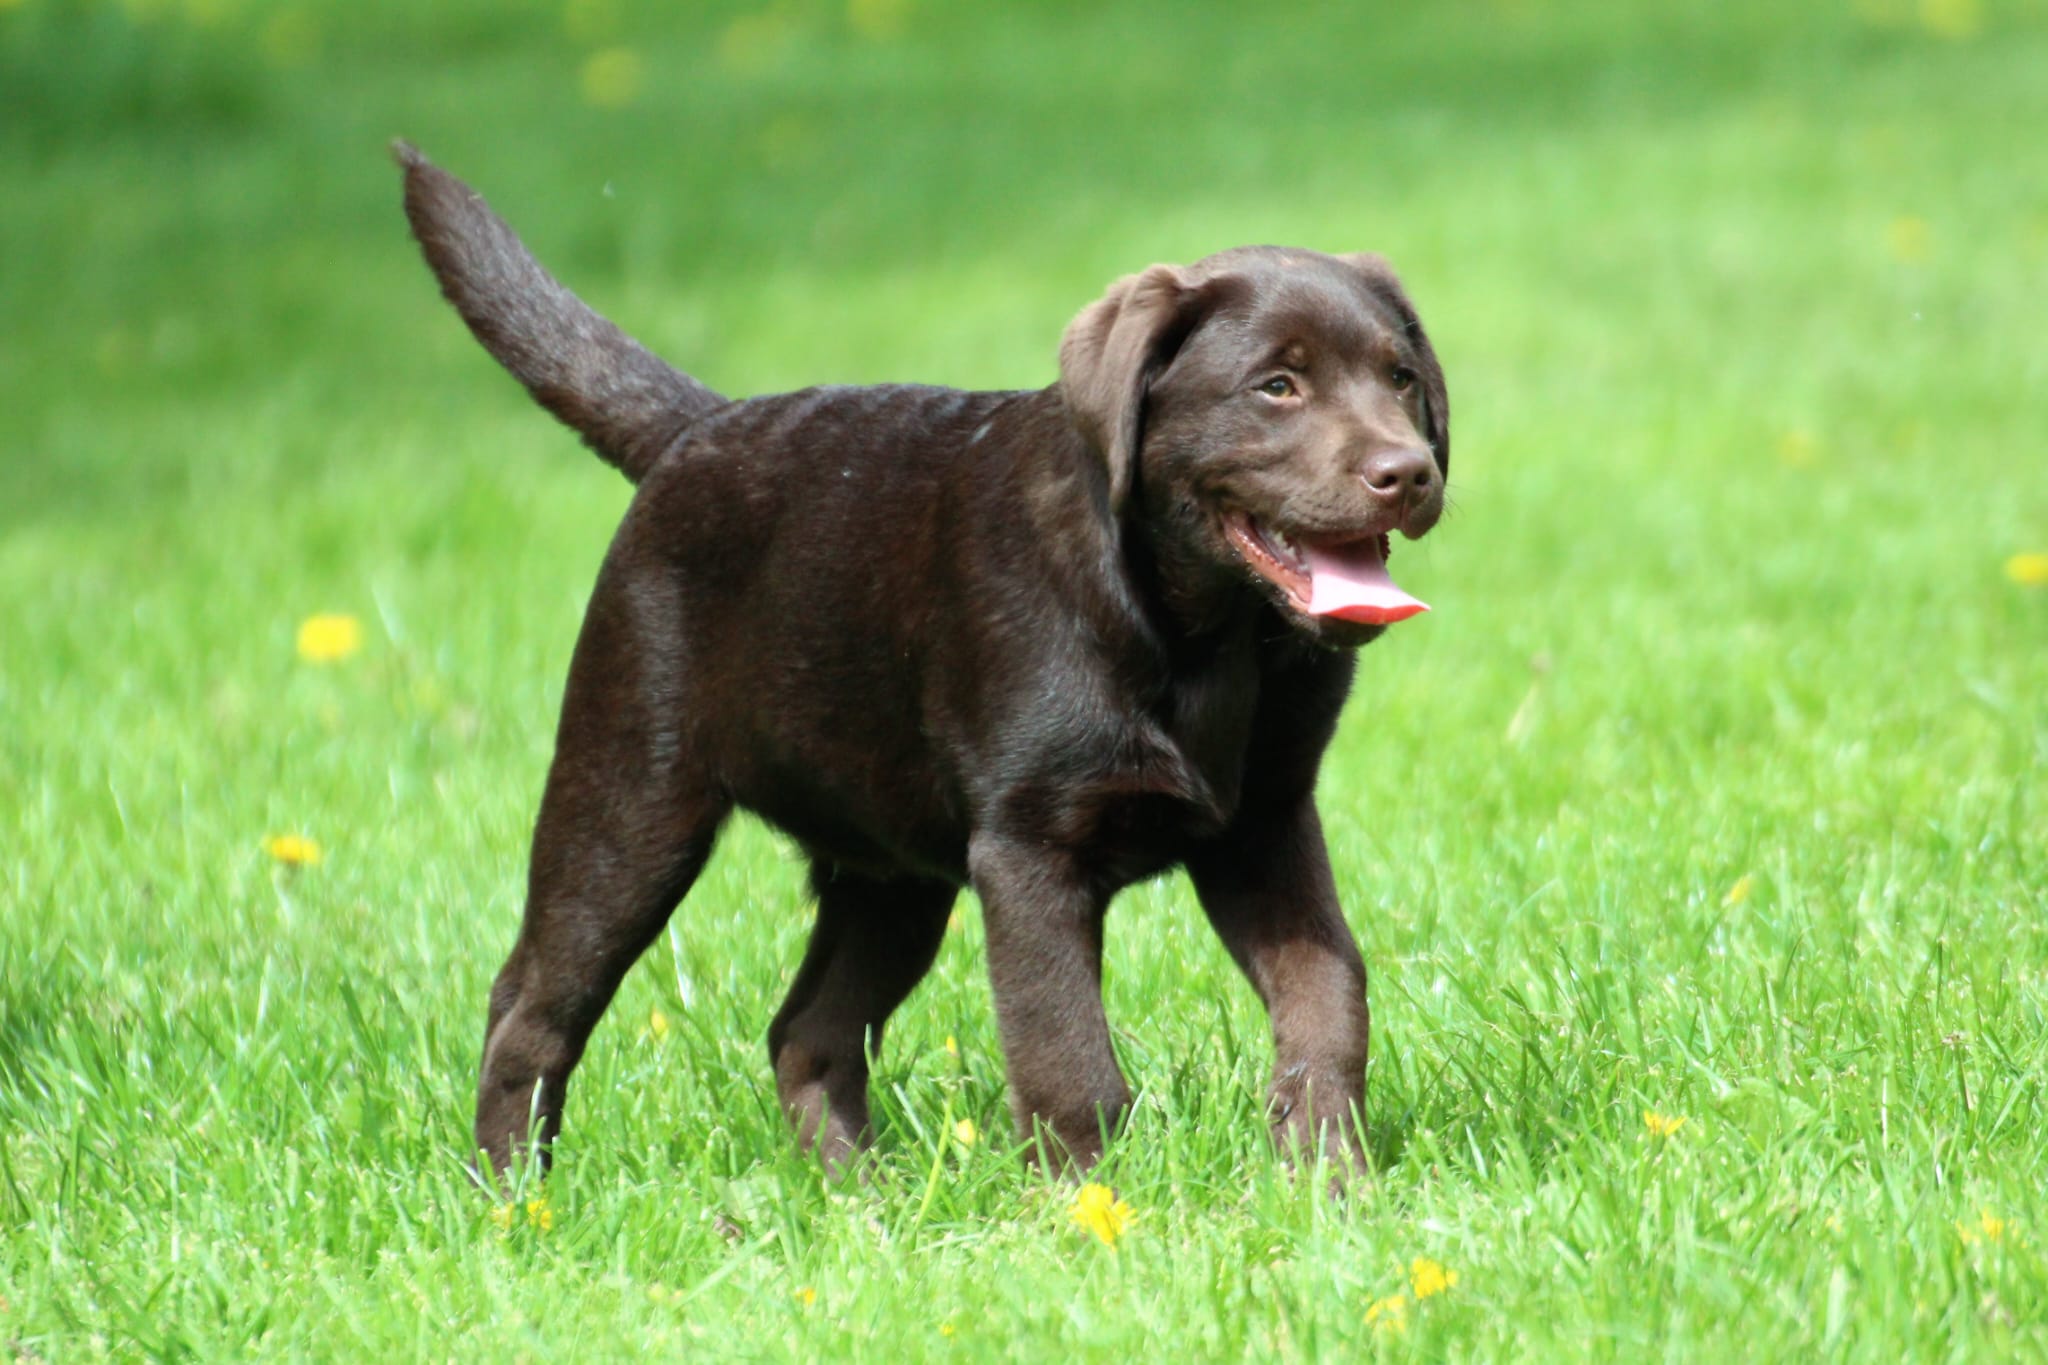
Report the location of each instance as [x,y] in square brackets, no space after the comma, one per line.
[882,826]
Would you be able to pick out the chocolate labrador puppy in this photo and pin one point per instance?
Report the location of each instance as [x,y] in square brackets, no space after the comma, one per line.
[1042,643]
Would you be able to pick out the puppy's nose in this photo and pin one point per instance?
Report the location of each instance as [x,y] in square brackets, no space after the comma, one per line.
[1400,477]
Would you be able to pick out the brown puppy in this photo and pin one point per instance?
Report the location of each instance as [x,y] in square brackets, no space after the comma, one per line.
[1042,643]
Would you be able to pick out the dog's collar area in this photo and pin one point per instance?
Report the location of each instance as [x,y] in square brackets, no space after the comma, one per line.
[1347,581]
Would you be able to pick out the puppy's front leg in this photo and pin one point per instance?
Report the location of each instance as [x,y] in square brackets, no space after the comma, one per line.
[1267,889]
[1044,922]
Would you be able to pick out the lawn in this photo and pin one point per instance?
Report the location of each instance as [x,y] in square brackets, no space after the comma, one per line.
[1695,841]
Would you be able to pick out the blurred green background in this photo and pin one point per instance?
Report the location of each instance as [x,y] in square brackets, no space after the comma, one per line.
[1711,788]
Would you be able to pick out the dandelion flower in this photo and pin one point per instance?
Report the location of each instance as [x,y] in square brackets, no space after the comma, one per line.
[536,1214]
[1429,1278]
[2029,570]
[657,1024]
[1097,1209]
[952,1046]
[293,850]
[947,1329]
[806,1296]
[1798,448]
[1389,1314]
[964,1133]
[878,18]
[329,637]
[1661,1126]
[1910,240]
[1954,20]
[1988,1228]
[290,37]
[611,77]
[1739,892]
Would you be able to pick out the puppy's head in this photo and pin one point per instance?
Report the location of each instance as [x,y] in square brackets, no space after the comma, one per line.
[1270,416]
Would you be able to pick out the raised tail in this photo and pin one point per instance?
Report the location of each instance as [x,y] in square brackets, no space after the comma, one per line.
[626,403]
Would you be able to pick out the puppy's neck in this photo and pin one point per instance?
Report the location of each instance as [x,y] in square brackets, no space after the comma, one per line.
[1196,607]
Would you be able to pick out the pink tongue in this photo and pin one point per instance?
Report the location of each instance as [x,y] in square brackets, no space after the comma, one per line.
[1351,583]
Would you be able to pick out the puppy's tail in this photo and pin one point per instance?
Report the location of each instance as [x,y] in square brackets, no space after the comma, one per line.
[628,405]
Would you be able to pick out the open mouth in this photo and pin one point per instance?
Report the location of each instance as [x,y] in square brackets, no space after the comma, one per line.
[1347,580]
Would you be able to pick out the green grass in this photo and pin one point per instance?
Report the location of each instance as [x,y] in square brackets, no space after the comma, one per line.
[1742,315]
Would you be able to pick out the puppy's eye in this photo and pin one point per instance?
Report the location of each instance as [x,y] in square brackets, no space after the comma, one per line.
[1402,378]
[1279,386]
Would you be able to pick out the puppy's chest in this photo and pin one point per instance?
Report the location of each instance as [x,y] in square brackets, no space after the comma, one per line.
[1174,777]
[1208,718]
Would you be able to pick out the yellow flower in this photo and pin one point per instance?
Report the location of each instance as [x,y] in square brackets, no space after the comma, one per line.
[1987,1228]
[611,77]
[290,37]
[1798,448]
[1951,19]
[964,1134]
[1739,892]
[1910,240]
[947,1329]
[206,13]
[878,18]
[536,1211]
[1659,1125]
[952,1046]
[1389,1314]
[329,637]
[806,1296]
[2029,570]
[1429,1278]
[1097,1209]
[657,1024]
[293,850]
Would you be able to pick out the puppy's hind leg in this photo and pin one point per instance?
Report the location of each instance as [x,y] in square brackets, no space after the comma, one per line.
[873,942]
[629,817]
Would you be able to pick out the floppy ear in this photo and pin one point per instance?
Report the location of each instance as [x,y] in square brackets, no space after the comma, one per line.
[1436,399]
[1111,352]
